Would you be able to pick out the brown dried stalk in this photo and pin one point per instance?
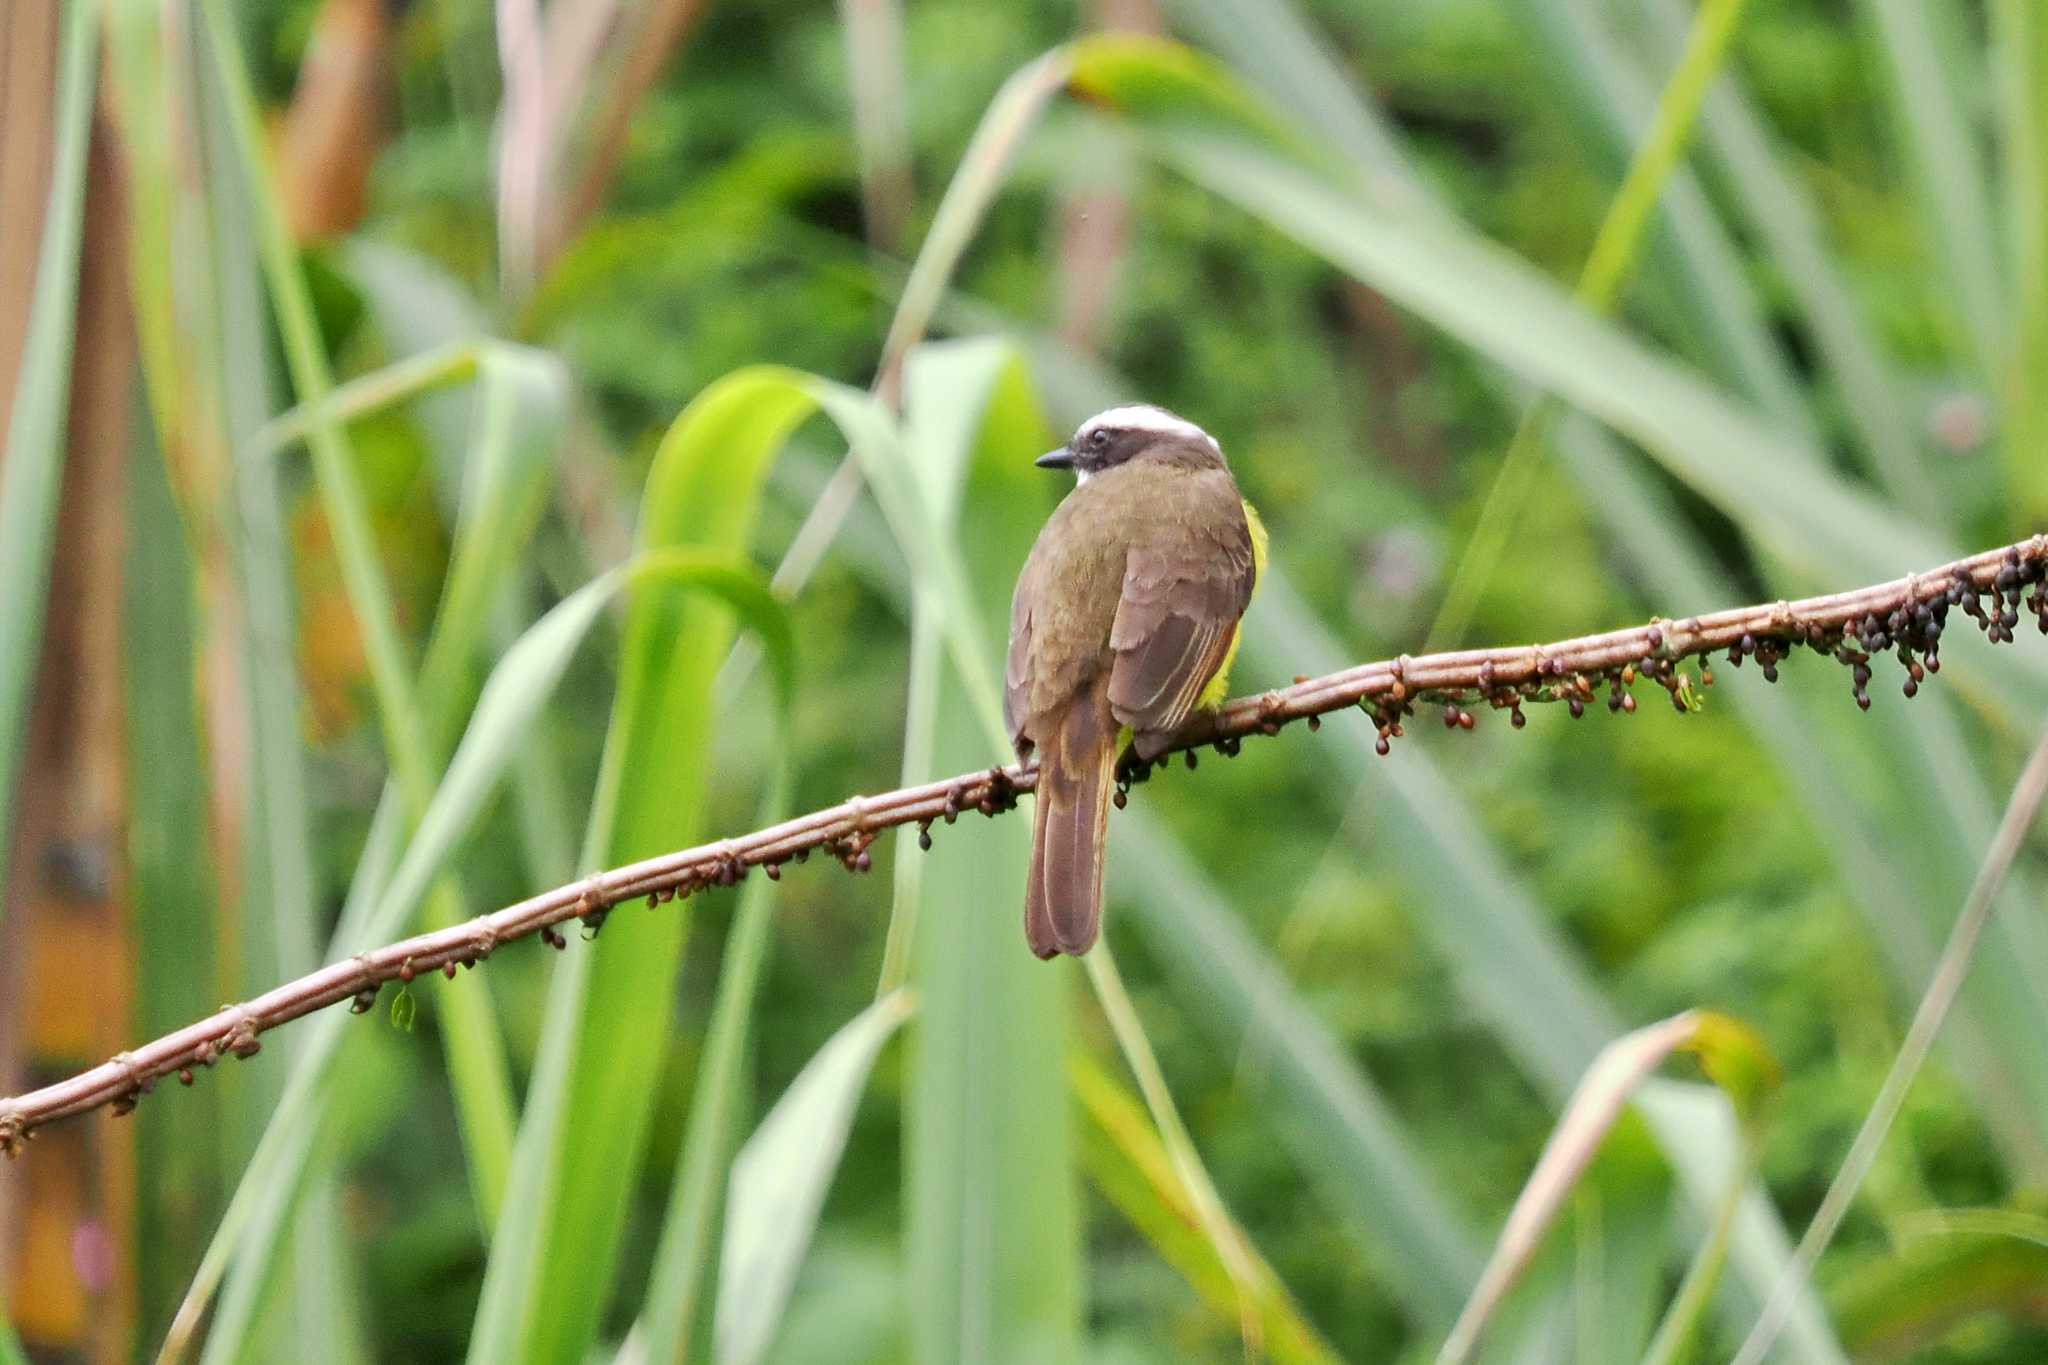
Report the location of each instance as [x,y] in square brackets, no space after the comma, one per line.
[1906,615]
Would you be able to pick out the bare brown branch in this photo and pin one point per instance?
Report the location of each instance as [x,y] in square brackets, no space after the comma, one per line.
[1905,616]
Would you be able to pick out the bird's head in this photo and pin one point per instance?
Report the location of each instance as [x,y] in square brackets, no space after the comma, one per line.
[1137,431]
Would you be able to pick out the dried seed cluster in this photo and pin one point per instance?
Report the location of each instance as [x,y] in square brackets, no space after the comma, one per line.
[1910,629]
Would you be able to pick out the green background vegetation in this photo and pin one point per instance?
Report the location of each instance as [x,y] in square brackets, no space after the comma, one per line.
[1369,984]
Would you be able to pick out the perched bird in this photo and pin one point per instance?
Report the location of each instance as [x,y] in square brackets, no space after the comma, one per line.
[1124,623]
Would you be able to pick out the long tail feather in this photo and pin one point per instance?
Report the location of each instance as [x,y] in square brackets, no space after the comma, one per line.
[1076,769]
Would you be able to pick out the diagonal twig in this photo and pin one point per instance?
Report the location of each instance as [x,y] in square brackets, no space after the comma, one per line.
[1906,615]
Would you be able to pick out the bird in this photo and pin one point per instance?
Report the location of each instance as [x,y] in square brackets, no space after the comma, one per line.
[1124,623]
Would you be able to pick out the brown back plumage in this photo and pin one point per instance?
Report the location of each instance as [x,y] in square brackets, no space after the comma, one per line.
[1168,529]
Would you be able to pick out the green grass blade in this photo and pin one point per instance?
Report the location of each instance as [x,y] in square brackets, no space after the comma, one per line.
[1128,1163]
[1783,217]
[881,123]
[1270,45]
[171,887]
[2021,51]
[923,672]
[1680,1326]
[1240,1262]
[419,310]
[522,402]
[32,468]
[780,1177]
[948,387]
[334,464]
[1009,119]
[426,317]
[512,697]
[1011,115]
[1342,1132]
[1654,165]
[890,476]
[1698,1129]
[279,939]
[682,1260]
[256,1215]
[1620,1227]
[396,383]
[1919,55]
[1728,1051]
[1614,250]
[1617,110]
[683,1257]
[583,1134]
[476,1052]
[520,398]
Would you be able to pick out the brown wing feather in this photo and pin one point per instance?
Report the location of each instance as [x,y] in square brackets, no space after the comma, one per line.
[1185,586]
[1153,684]
[1016,672]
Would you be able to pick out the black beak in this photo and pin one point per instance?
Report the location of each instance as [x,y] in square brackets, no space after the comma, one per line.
[1063,458]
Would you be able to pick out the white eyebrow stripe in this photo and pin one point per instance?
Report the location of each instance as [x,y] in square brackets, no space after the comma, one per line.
[1144,417]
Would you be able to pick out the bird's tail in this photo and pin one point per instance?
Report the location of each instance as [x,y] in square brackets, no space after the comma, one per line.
[1076,770]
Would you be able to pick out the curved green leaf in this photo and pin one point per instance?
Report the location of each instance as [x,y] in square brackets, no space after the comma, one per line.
[513,695]
[481,1076]
[684,1256]
[780,1177]
[583,1136]
[521,400]
[1728,1051]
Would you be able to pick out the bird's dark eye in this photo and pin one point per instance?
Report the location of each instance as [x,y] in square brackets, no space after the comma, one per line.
[1099,438]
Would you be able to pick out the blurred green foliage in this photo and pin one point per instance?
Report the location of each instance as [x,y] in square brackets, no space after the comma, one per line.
[734,237]
[1671,850]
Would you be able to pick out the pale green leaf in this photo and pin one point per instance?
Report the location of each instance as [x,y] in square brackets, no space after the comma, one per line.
[780,1177]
